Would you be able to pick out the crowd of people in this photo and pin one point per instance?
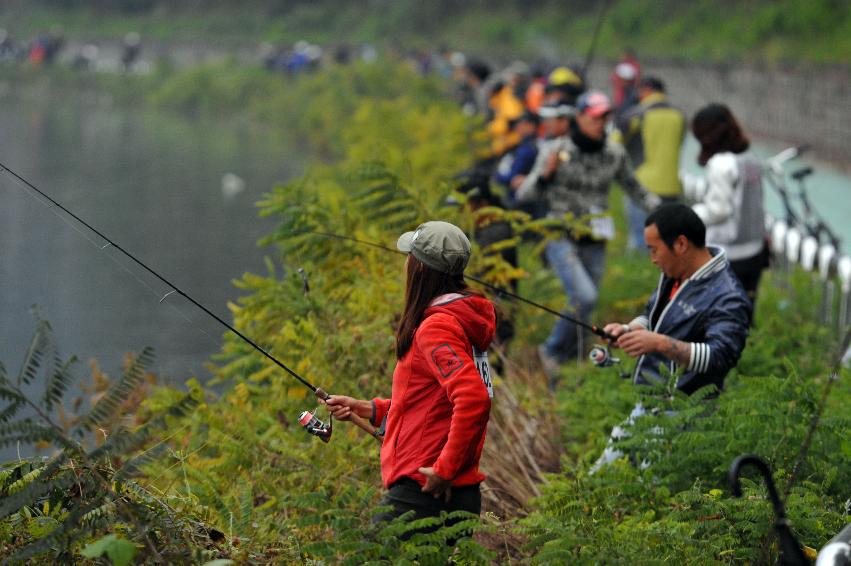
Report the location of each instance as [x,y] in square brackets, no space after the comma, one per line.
[45,50]
[556,147]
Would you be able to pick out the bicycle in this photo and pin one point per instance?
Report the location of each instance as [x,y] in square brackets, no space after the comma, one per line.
[803,236]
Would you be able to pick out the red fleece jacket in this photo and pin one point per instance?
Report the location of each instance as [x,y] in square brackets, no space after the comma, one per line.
[440,404]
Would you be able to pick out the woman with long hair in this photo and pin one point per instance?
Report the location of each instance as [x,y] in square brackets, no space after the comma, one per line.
[437,414]
[729,198]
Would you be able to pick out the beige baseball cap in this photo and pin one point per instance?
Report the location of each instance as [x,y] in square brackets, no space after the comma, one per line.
[440,245]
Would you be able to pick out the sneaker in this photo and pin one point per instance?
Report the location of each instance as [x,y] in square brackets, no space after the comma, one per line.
[550,364]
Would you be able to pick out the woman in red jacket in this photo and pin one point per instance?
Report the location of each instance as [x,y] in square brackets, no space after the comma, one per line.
[437,414]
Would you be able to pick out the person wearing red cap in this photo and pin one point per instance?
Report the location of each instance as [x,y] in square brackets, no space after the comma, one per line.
[624,79]
[576,180]
[437,415]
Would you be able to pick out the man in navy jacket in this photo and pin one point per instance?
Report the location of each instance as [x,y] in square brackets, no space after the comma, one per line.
[697,319]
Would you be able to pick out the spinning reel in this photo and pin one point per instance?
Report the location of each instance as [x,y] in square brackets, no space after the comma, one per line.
[314,425]
[601,356]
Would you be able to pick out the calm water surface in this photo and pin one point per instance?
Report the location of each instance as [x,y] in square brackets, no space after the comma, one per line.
[150,181]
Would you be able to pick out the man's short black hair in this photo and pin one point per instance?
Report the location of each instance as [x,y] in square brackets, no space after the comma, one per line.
[674,220]
[653,83]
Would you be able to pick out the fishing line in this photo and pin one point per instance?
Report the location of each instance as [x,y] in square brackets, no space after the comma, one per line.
[499,290]
[105,249]
[175,288]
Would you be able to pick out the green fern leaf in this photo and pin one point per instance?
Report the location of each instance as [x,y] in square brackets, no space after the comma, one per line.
[58,382]
[109,404]
[41,341]
[61,537]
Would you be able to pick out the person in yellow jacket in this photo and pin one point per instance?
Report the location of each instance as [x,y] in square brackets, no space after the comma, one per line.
[506,107]
[652,133]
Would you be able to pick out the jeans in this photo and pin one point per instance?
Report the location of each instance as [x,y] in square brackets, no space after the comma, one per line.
[636,216]
[580,268]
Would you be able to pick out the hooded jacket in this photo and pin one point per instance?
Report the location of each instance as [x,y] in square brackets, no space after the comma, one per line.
[711,312]
[438,411]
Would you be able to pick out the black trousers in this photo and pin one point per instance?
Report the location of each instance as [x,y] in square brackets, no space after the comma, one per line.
[406,495]
[749,271]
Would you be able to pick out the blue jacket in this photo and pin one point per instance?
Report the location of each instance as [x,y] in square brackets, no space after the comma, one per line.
[524,156]
[711,312]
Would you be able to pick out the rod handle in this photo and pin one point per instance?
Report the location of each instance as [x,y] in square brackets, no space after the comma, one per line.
[602,333]
[357,420]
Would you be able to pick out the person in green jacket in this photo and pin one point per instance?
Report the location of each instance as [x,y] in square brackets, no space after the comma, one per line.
[652,133]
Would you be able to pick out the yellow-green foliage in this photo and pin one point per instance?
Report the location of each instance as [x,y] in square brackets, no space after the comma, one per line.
[680,509]
[343,112]
[241,464]
[243,460]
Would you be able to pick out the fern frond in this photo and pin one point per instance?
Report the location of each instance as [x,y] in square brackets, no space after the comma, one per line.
[28,432]
[37,488]
[383,199]
[41,341]
[11,393]
[109,404]
[99,514]
[10,411]
[24,480]
[133,466]
[121,441]
[62,536]
[57,382]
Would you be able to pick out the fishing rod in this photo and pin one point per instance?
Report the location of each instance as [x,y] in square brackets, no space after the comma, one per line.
[589,56]
[500,290]
[312,424]
[833,377]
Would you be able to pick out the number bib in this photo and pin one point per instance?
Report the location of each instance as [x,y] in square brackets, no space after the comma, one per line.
[602,227]
[484,368]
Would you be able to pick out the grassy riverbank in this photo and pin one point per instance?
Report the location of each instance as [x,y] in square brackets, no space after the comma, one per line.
[764,30]
[234,477]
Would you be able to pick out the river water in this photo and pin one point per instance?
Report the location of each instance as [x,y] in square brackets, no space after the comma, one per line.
[152,182]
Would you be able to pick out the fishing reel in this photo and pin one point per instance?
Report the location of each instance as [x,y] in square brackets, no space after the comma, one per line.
[314,425]
[601,356]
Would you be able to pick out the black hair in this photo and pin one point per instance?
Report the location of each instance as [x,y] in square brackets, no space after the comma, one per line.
[479,70]
[476,184]
[718,131]
[527,116]
[675,220]
[422,285]
[653,83]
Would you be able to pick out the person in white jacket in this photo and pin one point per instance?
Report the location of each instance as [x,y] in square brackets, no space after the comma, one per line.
[729,198]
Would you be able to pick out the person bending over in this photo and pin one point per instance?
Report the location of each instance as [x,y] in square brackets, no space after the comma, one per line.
[696,320]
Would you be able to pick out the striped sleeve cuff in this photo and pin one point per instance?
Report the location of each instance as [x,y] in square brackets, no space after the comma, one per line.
[641,320]
[699,361]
